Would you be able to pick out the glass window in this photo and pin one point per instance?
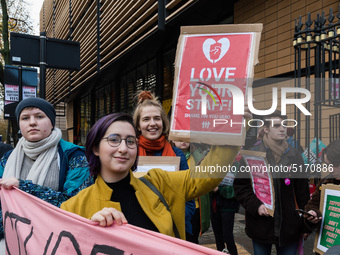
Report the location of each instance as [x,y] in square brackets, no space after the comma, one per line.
[168,73]
[85,118]
[131,90]
[122,93]
[151,78]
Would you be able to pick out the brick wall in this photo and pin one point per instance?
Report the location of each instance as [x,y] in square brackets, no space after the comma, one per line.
[276,54]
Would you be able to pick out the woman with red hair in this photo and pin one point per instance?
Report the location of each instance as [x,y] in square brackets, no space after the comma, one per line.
[152,128]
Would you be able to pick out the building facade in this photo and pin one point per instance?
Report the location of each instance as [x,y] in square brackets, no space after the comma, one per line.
[281,60]
[128,46]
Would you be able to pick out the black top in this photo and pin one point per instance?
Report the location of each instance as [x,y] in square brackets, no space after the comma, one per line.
[124,193]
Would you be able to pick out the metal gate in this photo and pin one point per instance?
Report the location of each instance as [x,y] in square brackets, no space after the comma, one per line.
[316,44]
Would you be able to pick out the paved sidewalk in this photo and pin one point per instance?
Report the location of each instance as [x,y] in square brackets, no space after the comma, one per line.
[240,249]
[208,239]
[243,242]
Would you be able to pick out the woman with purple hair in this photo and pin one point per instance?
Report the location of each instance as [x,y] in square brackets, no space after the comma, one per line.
[117,195]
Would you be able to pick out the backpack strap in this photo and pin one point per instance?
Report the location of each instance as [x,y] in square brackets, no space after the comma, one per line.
[159,194]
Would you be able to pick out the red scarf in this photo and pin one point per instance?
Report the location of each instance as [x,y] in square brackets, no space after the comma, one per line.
[147,147]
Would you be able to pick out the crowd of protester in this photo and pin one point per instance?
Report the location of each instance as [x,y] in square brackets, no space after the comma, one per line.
[97,182]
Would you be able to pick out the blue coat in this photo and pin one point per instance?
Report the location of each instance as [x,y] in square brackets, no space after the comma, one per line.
[74,176]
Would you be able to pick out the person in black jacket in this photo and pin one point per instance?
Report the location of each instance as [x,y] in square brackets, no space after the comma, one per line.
[285,229]
[331,157]
[223,209]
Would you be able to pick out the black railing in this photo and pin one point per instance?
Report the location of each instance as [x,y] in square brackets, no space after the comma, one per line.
[334,127]
[317,63]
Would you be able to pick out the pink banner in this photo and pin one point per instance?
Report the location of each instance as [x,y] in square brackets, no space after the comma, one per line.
[33,226]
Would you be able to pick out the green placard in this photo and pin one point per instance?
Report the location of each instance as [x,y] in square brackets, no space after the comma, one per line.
[330,231]
[328,234]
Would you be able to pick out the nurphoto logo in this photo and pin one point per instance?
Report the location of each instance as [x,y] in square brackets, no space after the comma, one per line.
[238,102]
[227,94]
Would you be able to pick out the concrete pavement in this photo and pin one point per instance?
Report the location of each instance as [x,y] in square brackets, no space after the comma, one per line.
[243,245]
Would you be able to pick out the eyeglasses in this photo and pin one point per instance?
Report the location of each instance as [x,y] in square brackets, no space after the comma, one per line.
[115,140]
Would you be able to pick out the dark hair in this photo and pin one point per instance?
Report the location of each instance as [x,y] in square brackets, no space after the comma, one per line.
[290,131]
[96,134]
[275,114]
[333,153]
[261,134]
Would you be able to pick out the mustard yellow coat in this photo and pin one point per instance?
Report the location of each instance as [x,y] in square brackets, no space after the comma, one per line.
[176,187]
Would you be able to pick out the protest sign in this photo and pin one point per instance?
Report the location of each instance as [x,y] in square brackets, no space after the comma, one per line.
[145,163]
[33,226]
[213,71]
[28,92]
[11,92]
[329,233]
[262,181]
[312,155]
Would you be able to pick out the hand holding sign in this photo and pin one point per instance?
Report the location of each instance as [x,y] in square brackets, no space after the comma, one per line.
[31,232]
[9,183]
[106,216]
[262,210]
[262,180]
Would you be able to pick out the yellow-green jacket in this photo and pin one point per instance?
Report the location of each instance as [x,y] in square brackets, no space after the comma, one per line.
[176,187]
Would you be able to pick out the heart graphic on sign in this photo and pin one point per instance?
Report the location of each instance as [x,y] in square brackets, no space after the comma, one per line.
[213,50]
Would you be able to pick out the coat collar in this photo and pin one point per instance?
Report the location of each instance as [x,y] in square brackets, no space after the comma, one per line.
[290,151]
[102,189]
[105,192]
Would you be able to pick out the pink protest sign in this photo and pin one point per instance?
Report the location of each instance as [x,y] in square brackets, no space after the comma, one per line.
[214,67]
[262,181]
[33,226]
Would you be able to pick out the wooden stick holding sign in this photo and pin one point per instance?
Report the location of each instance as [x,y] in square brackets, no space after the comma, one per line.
[262,180]
[329,233]
[145,163]
[214,68]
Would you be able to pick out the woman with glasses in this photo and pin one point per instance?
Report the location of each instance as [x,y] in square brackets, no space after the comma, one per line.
[117,195]
[331,157]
